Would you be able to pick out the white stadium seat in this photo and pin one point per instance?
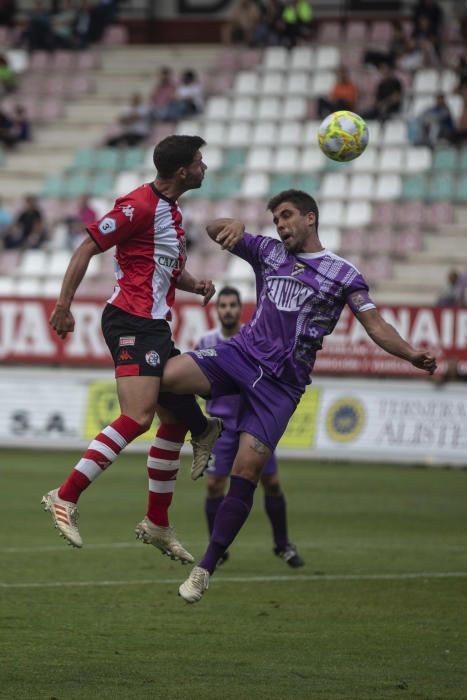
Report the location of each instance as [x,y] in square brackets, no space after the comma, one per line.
[272,84]
[388,187]
[270,231]
[311,160]
[392,160]
[243,108]
[360,186]
[212,156]
[358,213]
[291,133]
[265,134]
[369,161]
[419,104]
[246,83]
[330,237]
[294,108]
[285,159]
[259,159]
[125,182]
[395,133]
[334,186]
[297,84]
[426,81]
[28,287]
[214,133]
[327,58]
[331,213]
[322,83]
[302,58]
[238,134]
[417,159]
[8,286]
[269,108]
[275,58]
[33,263]
[254,185]
[448,81]
[190,127]
[217,108]
[456,105]
[374,132]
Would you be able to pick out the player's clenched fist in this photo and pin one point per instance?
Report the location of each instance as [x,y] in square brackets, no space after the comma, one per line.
[62,321]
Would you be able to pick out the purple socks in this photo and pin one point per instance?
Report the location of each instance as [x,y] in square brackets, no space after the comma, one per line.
[277,514]
[232,513]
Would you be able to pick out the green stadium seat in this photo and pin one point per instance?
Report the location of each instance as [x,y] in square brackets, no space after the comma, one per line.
[54,186]
[132,158]
[108,159]
[308,183]
[227,186]
[85,159]
[445,159]
[2,156]
[441,187]
[414,187]
[77,185]
[233,158]
[280,182]
[460,193]
[102,184]
[463,160]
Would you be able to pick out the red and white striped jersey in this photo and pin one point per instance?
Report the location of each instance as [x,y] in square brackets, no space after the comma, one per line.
[146,228]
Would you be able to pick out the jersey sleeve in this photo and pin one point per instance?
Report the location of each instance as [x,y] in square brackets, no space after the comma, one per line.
[358,296]
[126,219]
[253,249]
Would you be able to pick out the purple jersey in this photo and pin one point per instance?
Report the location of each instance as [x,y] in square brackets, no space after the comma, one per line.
[299,301]
[225,407]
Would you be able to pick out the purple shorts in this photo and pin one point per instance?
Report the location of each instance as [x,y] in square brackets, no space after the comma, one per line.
[266,403]
[223,455]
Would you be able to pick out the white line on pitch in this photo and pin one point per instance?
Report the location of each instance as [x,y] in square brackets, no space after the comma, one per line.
[248,579]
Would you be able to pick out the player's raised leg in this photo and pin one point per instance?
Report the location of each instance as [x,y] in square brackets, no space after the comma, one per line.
[251,457]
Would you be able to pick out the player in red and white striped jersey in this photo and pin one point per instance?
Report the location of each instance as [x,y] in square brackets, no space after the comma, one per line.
[145,226]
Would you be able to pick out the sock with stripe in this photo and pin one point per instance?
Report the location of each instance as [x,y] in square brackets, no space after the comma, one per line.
[163,465]
[102,451]
[233,511]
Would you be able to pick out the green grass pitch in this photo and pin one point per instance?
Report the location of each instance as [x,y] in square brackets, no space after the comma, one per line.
[379,612]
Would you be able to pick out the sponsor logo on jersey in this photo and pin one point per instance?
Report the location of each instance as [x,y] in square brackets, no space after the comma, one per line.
[287,293]
[209,352]
[128,210]
[152,358]
[107,225]
[127,340]
[298,269]
[124,356]
[345,419]
[166,261]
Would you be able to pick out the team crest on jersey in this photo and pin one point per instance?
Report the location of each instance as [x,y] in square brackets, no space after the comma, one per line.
[152,358]
[107,225]
[287,293]
[128,210]
[208,352]
[298,269]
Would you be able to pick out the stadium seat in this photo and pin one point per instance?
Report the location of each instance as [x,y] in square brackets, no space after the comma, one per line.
[460,193]
[385,213]
[245,108]
[190,127]
[311,159]
[329,32]
[272,84]
[448,81]
[410,214]
[322,83]
[330,237]
[269,108]
[297,83]
[214,133]
[369,161]
[275,58]
[439,213]
[381,32]
[417,159]
[381,240]
[7,286]
[294,108]
[77,185]
[414,187]
[456,105]
[238,134]
[212,156]
[217,108]
[281,182]
[445,158]
[391,160]
[132,158]
[426,81]
[285,159]
[234,158]
[28,287]
[265,134]
[291,133]
[108,159]
[407,242]
[327,58]
[356,32]
[254,185]
[359,186]
[302,58]
[259,159]
[249,58]
[353,240]
[332,213]
[357,214]
[115,35]
[85,159]
[308,182]
[54,186]
[395,133]
[227,186]
[388,187]
[246,83]
[33,263]
[103,184]
[334,186]
[441,187]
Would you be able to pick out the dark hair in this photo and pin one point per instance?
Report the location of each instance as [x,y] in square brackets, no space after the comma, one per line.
[303,201]
[228,291]
[175,152]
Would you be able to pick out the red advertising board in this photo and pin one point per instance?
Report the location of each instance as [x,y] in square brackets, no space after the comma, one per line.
[26,337]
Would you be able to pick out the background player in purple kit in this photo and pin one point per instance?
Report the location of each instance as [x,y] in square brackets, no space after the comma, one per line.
[229,308]
[301,290]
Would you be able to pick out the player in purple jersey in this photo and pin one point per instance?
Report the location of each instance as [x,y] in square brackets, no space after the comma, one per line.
[301,290]
[229,308]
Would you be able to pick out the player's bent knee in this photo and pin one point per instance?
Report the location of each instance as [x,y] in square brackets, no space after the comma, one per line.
[216,487]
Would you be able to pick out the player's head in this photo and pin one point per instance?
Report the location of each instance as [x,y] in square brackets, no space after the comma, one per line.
[179,158]
[296,216]
[229,308]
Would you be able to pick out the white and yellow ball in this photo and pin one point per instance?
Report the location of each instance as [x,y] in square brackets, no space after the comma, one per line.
[343,136]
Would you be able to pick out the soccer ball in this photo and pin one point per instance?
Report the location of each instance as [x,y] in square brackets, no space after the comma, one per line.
[343,136]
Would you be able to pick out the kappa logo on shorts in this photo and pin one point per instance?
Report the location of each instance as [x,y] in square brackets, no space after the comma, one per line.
[124,355]
[127,340]
[209,352]
[152,358]
[107,225]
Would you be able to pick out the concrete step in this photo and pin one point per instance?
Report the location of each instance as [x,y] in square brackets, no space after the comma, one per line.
[421,274]
[395,295]
[460,215]
[93,113]
[13,188]
[24,164]
[64,132]
[458,229]
[448,257]
[441,245]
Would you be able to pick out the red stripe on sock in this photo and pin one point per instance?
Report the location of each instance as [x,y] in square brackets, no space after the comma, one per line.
[158,507]
[128,428]
[109,442]
[174,431]
[162,475]
[72,488]
[163,454]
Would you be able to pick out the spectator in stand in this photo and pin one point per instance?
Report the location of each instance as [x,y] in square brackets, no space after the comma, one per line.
[14,128]
[6,218]
[7,13]
[449,296]
[460,134]
[342,96]
[427,16]
[270,26]
[62,26]
[78,223]
[28,229]
[434,125]
[396,48]
[241,24]
[388,96]
[38,35]
[164,90]
[82,29]
[428,43]
[133,126]
[188,100]
[297,17]
[7,76]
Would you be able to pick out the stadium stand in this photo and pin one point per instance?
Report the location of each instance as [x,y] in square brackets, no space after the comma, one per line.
[395,211]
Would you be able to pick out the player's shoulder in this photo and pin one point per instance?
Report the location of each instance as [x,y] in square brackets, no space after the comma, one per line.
[209,339]
[343,261]
[137,202]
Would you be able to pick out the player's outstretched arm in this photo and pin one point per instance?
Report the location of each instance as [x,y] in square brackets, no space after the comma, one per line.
[226,232]
[188,283]
[61,319]
[386,336]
